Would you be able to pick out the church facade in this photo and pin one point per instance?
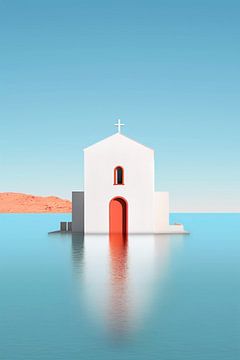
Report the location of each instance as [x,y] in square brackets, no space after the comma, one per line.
[119,193]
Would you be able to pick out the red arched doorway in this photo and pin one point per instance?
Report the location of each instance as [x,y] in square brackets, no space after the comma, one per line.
[118,216]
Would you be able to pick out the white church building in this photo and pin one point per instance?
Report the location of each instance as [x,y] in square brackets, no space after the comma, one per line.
[119,193]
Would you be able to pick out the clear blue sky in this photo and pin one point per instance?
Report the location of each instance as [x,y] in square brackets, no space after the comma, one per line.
[169,69]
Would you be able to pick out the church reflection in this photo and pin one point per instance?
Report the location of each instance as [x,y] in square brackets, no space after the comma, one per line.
[118,309]
[77,253]
[119,276]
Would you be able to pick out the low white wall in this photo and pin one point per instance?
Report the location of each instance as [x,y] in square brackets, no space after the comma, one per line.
[161,211]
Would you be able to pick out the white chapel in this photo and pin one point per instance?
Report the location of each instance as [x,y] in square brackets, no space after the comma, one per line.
[119,194]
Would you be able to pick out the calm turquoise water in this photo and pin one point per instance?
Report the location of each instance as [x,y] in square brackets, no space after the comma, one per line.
[165,297]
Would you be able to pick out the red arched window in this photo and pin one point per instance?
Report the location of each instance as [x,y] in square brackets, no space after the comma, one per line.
[118,175]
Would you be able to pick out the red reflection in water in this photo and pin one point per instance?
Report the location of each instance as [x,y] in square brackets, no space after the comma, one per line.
[119,297]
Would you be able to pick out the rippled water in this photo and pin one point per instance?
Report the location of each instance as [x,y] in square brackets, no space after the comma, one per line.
[145,297]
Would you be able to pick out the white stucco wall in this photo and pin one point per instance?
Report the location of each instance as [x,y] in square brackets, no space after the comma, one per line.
[138,163]
[161,211]
[162,225]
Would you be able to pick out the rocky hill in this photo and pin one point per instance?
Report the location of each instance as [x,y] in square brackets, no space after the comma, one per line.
[23,203]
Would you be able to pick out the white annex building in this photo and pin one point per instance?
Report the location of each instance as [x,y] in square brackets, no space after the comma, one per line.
[119,194]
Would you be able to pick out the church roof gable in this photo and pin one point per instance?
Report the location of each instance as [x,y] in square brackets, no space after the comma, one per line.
[116,136]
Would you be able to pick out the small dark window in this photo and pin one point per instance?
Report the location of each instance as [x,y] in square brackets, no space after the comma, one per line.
[118,176]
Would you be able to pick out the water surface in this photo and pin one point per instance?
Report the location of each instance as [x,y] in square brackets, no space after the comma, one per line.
[146,297]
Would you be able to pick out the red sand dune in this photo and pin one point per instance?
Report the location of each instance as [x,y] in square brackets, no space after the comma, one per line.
[23,203]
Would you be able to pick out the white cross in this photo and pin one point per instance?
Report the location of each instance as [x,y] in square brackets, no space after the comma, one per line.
[119,126]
